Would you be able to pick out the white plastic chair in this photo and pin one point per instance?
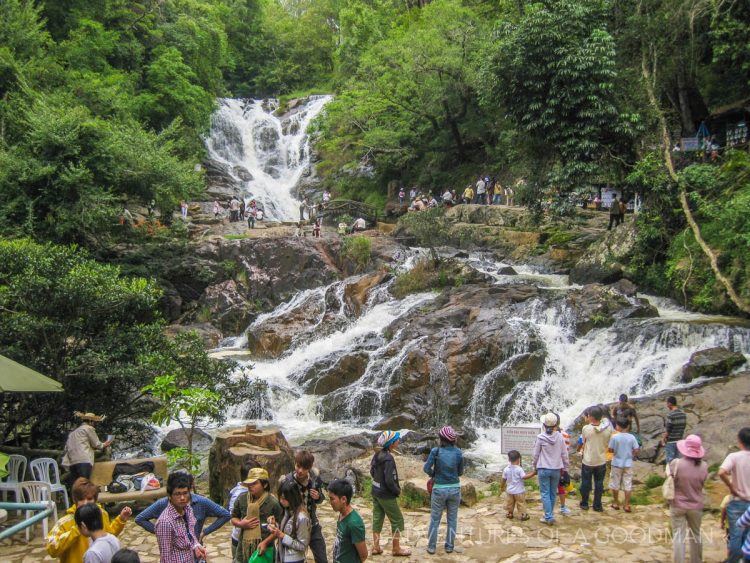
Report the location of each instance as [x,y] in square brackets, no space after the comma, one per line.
[45,469]
[16,471]
[38,492]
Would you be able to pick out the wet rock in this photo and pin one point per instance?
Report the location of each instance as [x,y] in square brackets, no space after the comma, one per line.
[397,421]
[468,495]
[626,287]
[712,362]
[323,378]
[210,335]
[232,449]
[416,493]
[356,293]
[507,271]
[226,306]
[178,438]
[715,410]
[595,306]
[334,457]
[603,261]
[242,173]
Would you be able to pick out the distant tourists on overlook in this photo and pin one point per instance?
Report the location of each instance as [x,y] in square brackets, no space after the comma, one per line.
[481,191]
[497,193]
[183,209]
[468,194]
[614,213]
[448,198]
[445,464]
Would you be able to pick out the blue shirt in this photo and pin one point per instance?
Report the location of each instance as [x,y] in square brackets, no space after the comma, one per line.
[445,465]
[202,508]
[622,445]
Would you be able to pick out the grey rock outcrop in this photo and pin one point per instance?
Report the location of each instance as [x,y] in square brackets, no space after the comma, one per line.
[712,362]
[178,438]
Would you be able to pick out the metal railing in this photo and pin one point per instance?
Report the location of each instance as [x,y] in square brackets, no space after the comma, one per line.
[44,508]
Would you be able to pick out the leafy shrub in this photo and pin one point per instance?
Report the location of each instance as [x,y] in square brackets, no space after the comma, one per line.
[426,275]
[653,481]
[358,250]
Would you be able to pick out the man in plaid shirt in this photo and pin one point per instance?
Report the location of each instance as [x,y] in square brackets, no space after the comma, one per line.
[175,526]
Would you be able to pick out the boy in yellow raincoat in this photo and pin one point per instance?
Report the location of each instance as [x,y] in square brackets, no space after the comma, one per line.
[65,541]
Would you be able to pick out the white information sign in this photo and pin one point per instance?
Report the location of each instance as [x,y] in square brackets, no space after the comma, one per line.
[519,438]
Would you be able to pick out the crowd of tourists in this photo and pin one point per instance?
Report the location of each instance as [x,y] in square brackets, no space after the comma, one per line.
[279,523]
[486,191]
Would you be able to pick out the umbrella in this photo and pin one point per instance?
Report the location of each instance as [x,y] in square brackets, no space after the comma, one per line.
[17,378]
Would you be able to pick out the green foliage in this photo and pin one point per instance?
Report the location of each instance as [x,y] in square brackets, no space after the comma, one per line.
[357,249]
[86,326]
[653,481]
[429,227]
[426,275]
[567,104]
[495,489]
[181,458]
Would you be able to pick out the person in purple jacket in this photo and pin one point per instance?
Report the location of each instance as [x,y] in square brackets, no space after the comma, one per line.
[549,458]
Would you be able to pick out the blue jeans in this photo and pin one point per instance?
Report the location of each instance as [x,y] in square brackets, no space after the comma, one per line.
[735,509]
[548,480]
[443,499]
[496,199]
[670,451]
[596,473]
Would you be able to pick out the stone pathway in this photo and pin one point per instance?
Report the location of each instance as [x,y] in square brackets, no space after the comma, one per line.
[484,534]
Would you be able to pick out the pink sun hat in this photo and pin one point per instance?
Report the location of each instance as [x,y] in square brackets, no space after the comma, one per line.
[691,447]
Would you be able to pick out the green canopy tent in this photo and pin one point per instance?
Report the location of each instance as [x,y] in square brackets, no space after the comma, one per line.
[15,378]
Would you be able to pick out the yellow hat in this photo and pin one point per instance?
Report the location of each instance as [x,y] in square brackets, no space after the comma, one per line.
[89,416]
[255,474]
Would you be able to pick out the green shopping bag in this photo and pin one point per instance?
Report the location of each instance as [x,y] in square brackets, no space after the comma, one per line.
[4,459]
[267,556]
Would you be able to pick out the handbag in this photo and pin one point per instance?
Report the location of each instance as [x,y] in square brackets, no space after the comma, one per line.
[267,556]
[667,488]
[431,480]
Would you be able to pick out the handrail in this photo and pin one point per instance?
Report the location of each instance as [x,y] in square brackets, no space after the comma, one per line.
[46,510]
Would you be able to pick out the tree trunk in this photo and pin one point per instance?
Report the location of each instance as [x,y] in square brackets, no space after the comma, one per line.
[683,98]
[521,7]
[454,130]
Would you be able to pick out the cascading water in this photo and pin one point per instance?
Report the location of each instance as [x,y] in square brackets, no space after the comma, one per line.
[634,355]
[265,155]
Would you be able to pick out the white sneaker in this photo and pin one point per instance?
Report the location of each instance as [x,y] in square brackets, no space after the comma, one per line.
[565,510]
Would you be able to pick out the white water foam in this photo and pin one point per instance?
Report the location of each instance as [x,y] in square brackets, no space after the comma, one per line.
[246,134]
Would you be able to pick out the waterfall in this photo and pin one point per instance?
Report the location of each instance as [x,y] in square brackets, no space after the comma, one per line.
[266,155]
[636,356]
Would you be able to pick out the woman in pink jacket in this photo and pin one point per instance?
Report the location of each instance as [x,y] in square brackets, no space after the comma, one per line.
[550,458]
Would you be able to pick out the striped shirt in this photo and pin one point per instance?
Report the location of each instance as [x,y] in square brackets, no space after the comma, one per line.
[744,522]
[676,423]
[202,508]
[176,543]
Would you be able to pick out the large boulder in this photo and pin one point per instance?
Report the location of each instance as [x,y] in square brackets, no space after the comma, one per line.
[712,362]
[603,261]
[232,449]
[596,306]
[225,304]
[333,458]
[716,409]
[178,438]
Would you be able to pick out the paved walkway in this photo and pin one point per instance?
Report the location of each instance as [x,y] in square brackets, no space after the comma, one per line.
[485,535]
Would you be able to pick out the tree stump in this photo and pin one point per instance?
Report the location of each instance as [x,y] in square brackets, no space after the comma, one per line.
[266,448]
